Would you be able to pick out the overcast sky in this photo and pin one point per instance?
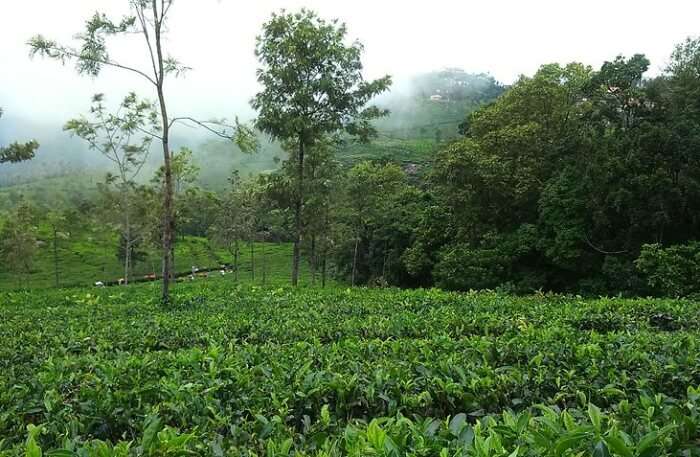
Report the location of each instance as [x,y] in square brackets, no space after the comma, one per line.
[505,38]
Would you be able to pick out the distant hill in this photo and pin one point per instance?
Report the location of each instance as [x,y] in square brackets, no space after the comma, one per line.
[426,111]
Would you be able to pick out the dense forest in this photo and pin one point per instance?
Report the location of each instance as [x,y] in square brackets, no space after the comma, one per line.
[573,179]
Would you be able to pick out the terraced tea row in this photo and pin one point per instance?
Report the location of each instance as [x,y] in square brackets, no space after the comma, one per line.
[248,371]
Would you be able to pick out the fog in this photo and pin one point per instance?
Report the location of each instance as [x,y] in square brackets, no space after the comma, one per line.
[217,38]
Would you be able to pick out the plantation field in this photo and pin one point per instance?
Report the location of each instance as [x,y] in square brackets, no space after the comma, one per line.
[90,256]
[418,151]
[279,372]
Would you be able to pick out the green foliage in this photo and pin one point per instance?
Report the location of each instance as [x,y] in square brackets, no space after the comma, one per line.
[17,152]
[19,243]
[464,268]
[375,216]
[671,271]
[589,165]
[254,371]
[312,81]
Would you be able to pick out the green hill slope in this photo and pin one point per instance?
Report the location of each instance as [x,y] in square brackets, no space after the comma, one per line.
[89,255]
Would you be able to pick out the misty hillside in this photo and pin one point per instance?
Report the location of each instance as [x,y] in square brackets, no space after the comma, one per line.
[425,111]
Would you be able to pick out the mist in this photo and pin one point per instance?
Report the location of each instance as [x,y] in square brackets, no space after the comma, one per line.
[217,39]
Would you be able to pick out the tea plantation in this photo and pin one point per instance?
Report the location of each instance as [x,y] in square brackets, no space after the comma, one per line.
[280,372]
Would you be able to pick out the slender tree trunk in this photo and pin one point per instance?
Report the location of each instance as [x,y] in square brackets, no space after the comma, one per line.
[235,262]
[384,263]
[127,258]
[168,220]
[252,261]
[55,255]
[313,260]
[172,258]
[264,264]
[296,257]
[127,238]
[354,260]
[323,269]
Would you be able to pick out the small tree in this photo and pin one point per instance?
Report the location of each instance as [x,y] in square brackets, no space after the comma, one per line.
[19,241]
[149,20]
[312,87]
[57,222]
[17,152]
[184,174]
[120,138]
[233,222]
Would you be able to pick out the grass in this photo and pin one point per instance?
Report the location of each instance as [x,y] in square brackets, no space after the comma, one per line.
[89,255]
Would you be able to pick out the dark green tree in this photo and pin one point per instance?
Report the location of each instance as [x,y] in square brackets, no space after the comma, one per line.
[375,217]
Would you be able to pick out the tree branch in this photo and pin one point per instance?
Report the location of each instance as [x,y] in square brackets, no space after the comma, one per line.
[588,242]
[63,53]
[205,125]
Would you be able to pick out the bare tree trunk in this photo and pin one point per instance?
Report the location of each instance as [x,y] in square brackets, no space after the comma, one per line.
[127,238]
[323,269]
[235,262]
[386,254]
[127,258]
[55,254]
[313,260]
[172,257]
[297,213]
[354,260]
[168,217]
[252,261]
[264,264]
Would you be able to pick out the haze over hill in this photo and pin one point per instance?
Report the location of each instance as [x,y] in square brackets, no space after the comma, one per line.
[39,96]
[429,106]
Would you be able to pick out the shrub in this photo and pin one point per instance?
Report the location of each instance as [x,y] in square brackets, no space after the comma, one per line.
[671,271]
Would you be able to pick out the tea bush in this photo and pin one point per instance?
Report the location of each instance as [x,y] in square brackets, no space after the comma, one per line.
[281,372]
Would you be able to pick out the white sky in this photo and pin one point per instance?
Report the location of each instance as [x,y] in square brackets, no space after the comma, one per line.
[216,37]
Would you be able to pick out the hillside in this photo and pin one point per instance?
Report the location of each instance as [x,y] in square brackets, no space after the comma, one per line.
[65,171]
[280,372]
[425,112]
[88,259]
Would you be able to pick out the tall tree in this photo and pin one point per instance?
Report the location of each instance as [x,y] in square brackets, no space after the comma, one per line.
[321,185]
[17,152]
[312,87]
[149,20]
[375,221]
